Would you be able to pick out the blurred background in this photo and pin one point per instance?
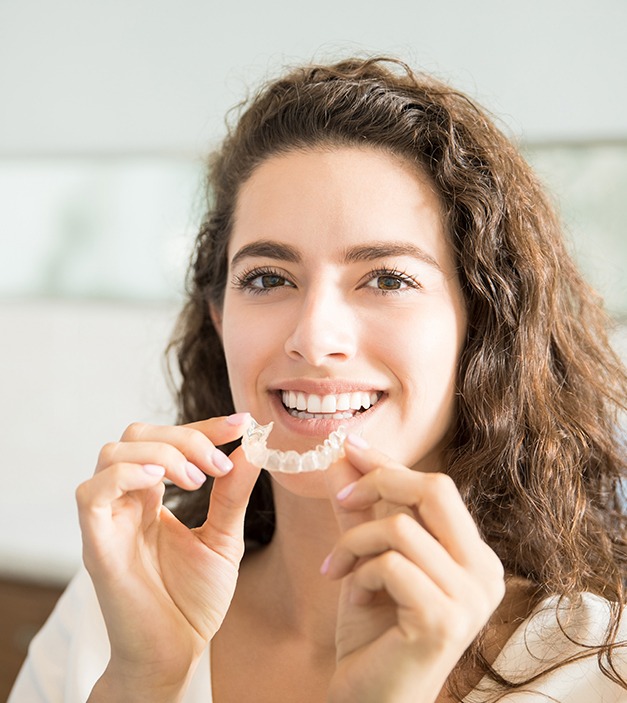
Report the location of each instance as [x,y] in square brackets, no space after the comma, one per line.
[107,111]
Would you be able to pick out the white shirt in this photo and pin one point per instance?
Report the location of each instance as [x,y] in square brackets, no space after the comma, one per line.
[71,651]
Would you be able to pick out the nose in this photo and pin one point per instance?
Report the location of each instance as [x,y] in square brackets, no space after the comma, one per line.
[324,330]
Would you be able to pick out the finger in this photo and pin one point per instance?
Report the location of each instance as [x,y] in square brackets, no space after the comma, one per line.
[193,442]
[346,472]
[404,582]
[365,458]
[223,429]
[402,534]
[178,469]
[230,494]
[434,498]
[359,460]
[340,474]
[98,499]
[105,487]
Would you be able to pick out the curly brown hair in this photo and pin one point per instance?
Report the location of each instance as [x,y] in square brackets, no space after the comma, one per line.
[536,451]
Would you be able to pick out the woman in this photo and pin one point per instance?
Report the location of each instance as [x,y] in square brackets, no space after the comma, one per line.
[376,255]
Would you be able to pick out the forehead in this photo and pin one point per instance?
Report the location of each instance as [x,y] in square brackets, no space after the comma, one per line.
[338,197]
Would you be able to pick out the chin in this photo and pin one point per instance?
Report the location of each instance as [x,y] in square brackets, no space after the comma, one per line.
[310,484]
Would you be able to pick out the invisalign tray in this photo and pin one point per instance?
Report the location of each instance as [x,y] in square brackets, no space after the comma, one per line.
[255,447]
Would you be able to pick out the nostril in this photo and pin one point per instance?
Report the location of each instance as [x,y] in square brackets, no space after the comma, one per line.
[322,333]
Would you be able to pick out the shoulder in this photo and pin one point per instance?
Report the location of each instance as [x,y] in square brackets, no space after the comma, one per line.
[557,651]
[570,624]
[70,652]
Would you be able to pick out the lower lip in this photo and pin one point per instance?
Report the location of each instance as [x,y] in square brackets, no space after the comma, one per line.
[318,428]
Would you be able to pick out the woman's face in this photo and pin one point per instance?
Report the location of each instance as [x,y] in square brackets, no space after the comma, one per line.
[342,305]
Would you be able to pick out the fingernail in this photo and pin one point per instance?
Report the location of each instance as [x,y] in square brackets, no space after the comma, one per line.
[195,474]
[357,441]
[346,491]
[238,418]
[325,565]
[153,469]
[221,461]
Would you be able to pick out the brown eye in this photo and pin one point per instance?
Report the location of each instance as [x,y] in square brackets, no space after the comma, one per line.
[261,281]
[388,282]
[270,280]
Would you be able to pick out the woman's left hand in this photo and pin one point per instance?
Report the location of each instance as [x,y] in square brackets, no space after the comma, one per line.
[419,583]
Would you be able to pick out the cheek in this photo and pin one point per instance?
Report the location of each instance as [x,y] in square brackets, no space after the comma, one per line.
[426,346]
[425,361]
[250,343]
[251,332]
[441,353]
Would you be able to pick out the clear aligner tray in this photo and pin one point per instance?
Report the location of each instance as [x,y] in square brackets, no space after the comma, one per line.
[254,443]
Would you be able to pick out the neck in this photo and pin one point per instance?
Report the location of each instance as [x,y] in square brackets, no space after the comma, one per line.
[285,575]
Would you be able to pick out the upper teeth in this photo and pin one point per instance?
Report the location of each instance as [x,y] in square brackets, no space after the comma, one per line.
[329,403]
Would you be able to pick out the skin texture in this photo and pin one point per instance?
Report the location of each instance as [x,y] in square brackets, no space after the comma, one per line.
[330,323]
[144,562]
[376,579]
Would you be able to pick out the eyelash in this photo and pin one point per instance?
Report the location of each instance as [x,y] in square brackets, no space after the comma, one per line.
[402,276]
[244,280]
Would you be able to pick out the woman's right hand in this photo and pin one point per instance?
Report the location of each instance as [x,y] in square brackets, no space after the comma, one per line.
[163,589]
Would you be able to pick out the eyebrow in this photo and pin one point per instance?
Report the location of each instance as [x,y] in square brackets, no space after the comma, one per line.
[266,248]
[382,250]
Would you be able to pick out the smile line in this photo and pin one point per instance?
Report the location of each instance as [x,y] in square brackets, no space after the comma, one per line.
[329,405]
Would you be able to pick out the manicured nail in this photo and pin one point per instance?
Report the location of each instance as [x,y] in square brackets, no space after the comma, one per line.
[357,441]
[153,469]
[221,461]
[195,474]
[238,418]
[346,491]
[325,565]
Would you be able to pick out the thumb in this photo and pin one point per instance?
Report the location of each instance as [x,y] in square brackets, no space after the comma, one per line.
[339,475]
[224,528]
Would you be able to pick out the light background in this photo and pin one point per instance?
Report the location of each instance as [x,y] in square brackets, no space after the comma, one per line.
[106,112]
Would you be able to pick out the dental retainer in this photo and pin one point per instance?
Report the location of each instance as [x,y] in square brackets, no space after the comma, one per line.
[254,443]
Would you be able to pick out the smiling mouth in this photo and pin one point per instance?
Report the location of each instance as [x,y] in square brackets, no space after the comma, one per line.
[343,406]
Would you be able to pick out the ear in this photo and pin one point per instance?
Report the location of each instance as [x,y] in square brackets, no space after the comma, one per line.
[216,317]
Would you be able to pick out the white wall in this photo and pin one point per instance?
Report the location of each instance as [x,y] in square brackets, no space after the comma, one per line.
[157,75]
[73,375]
[124,77]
